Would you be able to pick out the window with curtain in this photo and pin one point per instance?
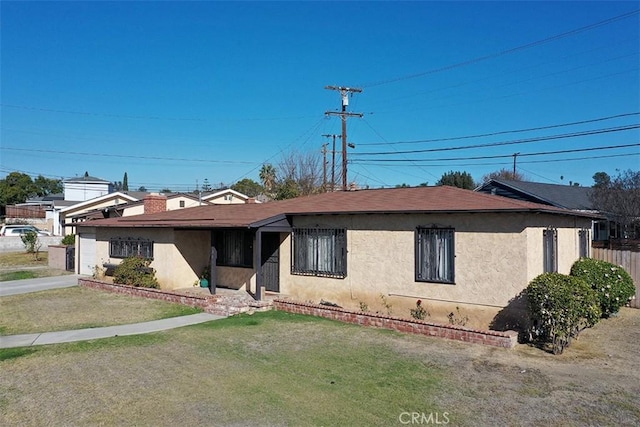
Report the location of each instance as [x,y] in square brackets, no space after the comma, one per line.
[235,248]
[435,255]
[319,252]
[550,250]
[120,247]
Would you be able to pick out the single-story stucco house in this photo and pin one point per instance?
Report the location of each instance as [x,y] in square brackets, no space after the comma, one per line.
[456,250]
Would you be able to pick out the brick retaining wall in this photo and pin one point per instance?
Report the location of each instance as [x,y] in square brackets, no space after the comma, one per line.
[222,305]
[506,339]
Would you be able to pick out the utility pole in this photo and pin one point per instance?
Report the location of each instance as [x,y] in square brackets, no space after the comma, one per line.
[515,155]
[324,166]
[333,160]
[344,93]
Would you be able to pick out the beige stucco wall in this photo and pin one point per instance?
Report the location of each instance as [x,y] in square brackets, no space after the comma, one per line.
[226,200]
[179,256]
[172,205]
[493,263]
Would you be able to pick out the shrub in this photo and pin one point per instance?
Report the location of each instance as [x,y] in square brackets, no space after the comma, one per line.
[31,242]
[613,285]
[69,239]
[419,313]
[135,271]
[560,307]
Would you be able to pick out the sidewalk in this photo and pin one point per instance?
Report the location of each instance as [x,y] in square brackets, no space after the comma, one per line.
[44,338]
[16,287]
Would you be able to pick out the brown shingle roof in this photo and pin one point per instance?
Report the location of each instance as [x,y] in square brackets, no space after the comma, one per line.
[393,200]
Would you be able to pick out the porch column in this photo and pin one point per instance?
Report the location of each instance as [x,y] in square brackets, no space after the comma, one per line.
[258,261]
[213,273]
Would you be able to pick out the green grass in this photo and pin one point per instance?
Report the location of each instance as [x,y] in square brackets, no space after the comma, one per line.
[18,275]
[269,368]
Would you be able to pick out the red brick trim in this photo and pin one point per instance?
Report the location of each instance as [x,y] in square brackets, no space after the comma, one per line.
[506,339]
[204,303]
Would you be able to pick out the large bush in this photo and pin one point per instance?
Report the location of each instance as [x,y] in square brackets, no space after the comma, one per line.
[560,307]
[135,271]
[613,285]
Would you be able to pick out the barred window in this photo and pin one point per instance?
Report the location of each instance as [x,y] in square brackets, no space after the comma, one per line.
[583,236]
[319,252]
[550,250]
[120,247]
[435,255]
[235,248]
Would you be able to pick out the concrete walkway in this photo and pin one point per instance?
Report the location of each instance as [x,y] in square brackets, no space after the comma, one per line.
[16,287]
[44,338]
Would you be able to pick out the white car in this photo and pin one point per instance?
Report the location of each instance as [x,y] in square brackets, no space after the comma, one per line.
[18,230]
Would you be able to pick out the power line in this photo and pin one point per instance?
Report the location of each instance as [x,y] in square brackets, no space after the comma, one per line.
[505,52]
[78,153]
[482,135]
[542,153]
[507,163]
[519,141]
[142,117]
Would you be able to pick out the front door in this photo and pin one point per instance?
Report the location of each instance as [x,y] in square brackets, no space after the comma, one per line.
[271,261]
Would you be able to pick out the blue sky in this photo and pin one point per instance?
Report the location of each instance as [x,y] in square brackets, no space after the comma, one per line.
[177,92]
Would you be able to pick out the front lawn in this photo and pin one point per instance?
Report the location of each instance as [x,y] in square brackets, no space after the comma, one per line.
[279,369]
[77,308]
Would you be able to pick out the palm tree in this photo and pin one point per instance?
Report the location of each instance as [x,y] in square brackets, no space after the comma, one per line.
[268,177]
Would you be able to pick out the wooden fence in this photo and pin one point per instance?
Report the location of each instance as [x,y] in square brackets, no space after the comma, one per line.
[24,212]
[629,260]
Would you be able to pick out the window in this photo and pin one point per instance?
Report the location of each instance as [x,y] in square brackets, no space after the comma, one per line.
[435,255]
[235,248]
[182,203]
[550,250]
[583,236]
[127,247]
[319,252]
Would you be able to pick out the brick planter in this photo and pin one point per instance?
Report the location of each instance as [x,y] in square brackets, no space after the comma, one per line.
[221,305]
[506,339]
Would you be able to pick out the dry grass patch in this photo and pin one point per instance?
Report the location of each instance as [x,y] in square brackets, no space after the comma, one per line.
[77,308]
[23,259]
[278,369]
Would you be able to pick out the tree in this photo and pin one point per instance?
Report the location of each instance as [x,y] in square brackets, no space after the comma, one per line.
[117,185]
[303,169]
[268,177]
[15,188]
[142,188]
[125,182]
[248,186]
[165,190]
[287,189]
[503,173]
[205,185]
[618,199]
[457,179]
[46,186]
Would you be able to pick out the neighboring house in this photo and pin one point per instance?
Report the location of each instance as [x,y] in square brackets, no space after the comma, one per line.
[227,196]
[445,246]
[76,212]
[36,211]
[562,196]
[83,188]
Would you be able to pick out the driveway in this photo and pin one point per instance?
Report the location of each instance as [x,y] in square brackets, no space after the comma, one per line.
[15,287]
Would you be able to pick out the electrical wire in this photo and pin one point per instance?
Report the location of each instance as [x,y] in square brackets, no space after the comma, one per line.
[505,52]
[482,135]
[543,153]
